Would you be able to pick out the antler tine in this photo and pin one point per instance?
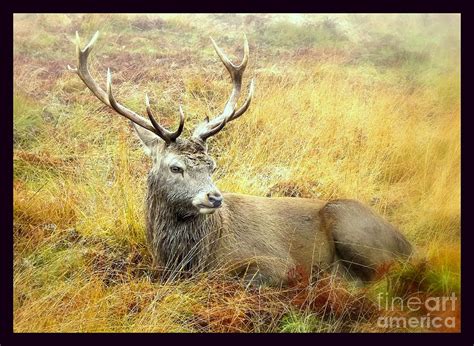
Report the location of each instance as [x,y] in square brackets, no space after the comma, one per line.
[236,72]
[246,104]
[167,136]
[82,69]
[132,116]
[108,98]
[229,113]
[182,118]
[212,131]
[231,67]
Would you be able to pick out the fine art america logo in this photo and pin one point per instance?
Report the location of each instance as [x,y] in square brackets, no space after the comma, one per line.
[428,313]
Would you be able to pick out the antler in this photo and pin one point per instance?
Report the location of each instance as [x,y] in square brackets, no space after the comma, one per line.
[210,128]
[108,98]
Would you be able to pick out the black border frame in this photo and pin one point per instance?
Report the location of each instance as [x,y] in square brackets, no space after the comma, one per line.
[7,336]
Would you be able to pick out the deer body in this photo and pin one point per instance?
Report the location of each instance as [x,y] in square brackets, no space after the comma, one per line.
[262,239]
[249,234]
[192,227]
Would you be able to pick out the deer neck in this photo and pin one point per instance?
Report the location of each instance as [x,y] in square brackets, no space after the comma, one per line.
[182,244]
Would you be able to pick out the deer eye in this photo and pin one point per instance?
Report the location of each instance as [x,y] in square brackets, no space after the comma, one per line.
[176,169]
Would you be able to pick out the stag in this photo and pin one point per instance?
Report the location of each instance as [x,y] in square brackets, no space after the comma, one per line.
[192,227]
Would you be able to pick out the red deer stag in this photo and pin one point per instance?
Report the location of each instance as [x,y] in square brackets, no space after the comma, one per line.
[193,227]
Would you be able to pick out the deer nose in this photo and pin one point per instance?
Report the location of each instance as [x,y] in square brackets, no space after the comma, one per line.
[215,198]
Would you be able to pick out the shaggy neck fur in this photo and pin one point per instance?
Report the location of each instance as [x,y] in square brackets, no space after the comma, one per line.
[180,245]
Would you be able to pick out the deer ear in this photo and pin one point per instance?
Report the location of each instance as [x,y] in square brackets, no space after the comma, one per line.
[149,140]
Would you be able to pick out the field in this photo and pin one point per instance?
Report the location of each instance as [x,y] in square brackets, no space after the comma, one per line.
[346,106]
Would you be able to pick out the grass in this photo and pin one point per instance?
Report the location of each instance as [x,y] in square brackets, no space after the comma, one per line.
[364,107]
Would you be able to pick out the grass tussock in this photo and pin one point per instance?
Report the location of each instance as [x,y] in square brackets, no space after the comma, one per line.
[345,107]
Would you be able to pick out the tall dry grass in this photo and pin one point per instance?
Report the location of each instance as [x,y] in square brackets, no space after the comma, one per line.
[363,107]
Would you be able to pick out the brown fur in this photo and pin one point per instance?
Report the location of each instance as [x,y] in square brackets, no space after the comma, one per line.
[263,239]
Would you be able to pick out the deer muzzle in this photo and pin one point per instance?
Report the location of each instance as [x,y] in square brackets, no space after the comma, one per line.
[208,202]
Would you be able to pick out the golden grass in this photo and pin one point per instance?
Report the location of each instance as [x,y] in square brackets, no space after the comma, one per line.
[322,125]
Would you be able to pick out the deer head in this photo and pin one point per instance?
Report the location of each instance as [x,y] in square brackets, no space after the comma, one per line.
[182,168]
